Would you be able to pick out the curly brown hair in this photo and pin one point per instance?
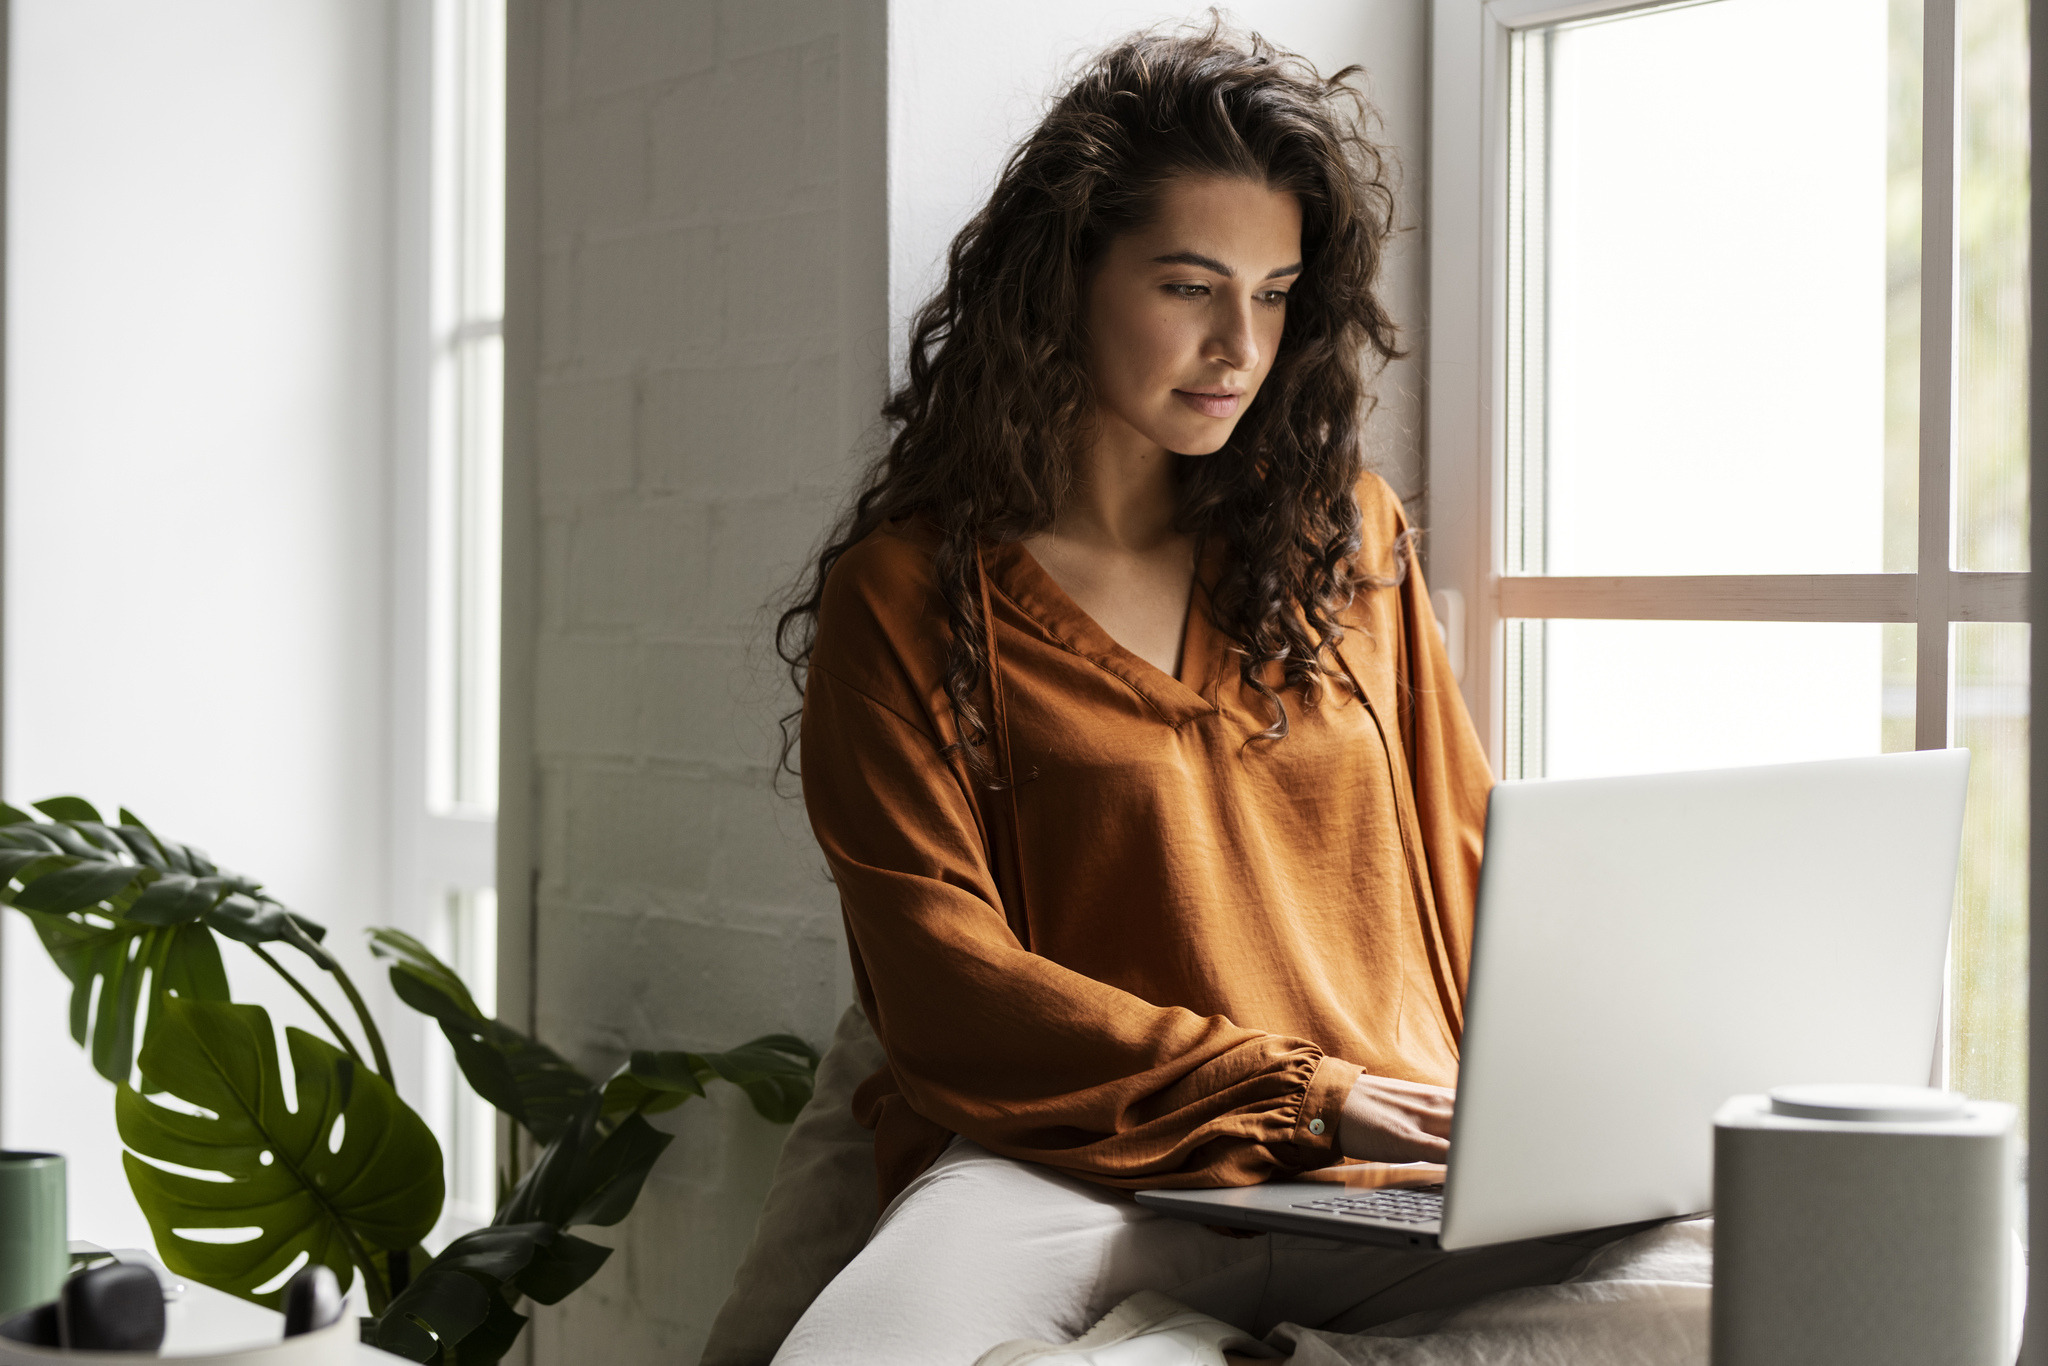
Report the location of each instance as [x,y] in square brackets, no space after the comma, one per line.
[995,410]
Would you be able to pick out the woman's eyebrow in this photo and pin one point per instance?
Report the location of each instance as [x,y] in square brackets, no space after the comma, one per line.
[1195,258]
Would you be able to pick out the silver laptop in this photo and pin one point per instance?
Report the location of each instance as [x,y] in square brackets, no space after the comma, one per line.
[1647,947]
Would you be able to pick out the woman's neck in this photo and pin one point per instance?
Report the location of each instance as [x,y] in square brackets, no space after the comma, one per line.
[1114,550]
[1123,499]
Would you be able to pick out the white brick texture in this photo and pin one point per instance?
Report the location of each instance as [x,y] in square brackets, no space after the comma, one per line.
[702,374]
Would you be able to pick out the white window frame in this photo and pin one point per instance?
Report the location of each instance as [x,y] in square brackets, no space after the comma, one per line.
[443,858]
[1467,449]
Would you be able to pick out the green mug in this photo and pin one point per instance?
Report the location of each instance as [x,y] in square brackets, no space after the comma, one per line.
[35,1251]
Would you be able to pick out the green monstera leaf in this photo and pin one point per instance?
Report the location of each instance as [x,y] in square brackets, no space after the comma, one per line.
[114,957]
[776,1071]
[459,1308]
[346,1173]
[590,1174]
[463,1299]
[535,1086]
[116,906]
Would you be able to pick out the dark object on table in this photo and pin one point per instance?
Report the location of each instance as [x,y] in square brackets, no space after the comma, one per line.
[118,1308]
[312,1300]
[37,1327]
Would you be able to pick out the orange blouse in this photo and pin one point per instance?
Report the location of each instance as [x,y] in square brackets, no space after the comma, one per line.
[1164,954]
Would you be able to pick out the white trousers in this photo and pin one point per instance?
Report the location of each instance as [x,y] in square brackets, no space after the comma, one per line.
[981,1249]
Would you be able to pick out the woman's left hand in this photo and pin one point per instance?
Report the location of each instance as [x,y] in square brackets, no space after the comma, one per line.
[1389,1120]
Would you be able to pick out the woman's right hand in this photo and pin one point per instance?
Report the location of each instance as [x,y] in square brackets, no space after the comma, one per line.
[1388,1120]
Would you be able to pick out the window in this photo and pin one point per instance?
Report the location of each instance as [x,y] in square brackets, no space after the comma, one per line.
[445,760]
[469,404]
[1736,289]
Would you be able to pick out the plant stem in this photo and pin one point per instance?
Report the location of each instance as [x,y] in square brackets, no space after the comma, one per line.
[310,999]
[328,963]
[511,1182]
[369,1025]
[373,1284]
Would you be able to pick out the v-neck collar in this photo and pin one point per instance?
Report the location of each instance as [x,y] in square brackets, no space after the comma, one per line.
[1016,574]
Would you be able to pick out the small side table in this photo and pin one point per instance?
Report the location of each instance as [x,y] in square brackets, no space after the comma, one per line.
[200,1321]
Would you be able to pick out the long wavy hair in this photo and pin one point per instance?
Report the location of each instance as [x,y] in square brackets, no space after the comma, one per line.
[995,410]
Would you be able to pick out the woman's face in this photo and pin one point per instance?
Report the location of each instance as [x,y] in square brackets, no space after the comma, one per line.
[1184,313]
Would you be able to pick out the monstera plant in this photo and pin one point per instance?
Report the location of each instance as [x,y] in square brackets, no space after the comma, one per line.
[346,1174]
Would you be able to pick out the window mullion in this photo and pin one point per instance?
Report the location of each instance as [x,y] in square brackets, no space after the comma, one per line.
[1973,595]
[1525,428]
[1938,269]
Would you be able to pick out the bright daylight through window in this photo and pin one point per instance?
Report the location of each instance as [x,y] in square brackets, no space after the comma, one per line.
[464,450]
[1764,418]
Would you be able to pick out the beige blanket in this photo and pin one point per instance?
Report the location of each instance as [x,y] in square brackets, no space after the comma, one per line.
[1641,1302]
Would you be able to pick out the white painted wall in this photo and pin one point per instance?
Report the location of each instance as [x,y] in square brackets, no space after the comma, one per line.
[967,82]
[196,478]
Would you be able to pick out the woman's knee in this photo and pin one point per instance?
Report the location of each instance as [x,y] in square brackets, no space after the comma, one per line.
[980,1250]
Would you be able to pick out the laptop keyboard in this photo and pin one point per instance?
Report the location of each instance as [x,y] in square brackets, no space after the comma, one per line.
[1408,1205]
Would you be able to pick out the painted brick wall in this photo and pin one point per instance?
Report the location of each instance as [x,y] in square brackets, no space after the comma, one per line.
[703,339]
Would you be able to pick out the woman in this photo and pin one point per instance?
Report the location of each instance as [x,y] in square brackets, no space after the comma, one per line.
[1154,811]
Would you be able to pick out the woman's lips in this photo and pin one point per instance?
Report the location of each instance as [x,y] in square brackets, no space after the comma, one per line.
[1213,403]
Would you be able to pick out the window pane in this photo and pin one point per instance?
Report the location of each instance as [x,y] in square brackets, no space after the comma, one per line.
[472,947]
[1991,465]
[1988,994]
[1650,696]
[468,384]
[480,500]
[1702,250]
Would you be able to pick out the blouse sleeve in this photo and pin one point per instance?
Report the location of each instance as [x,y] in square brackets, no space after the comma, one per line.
[1447,768]
[987,1039]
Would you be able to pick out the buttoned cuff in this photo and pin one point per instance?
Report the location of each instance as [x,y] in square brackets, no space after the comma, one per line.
[1322,1113]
